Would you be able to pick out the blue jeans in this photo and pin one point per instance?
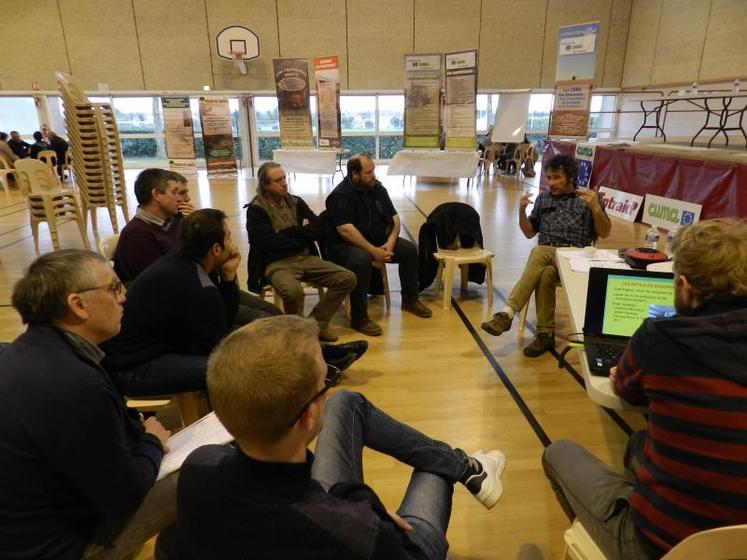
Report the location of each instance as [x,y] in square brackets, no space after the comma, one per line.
[350,423]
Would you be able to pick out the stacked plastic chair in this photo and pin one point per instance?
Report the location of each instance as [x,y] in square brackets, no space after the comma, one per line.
[96,153]
[47,201]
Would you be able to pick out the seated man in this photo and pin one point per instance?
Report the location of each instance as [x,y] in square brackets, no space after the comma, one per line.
[163,201]
[269,493]
[281,231]
[76,464]
[565,216]
[177,310]
[365,228]
[686,472]
[39,145]
[5,152]
[19,147]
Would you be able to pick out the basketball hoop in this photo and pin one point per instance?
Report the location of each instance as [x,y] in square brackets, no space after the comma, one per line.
[238,58]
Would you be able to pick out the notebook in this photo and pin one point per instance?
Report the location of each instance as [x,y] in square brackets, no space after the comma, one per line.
[617,302]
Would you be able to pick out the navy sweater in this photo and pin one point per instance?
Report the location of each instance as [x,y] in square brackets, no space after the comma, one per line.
[71,454]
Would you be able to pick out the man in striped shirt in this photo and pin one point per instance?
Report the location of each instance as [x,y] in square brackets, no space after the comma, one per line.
[688,471]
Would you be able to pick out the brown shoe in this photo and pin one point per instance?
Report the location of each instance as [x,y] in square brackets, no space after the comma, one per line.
[416,307]
[366,326]
[541,344]
[327,335]
[499,324]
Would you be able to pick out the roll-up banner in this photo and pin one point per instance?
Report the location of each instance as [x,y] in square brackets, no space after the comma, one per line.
[570,114]
[294,105]
[327,74]
[577,52]
[179,132]
[217,134]
[461,97]
[422,100]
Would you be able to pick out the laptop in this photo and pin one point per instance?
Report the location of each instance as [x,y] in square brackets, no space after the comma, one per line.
[617,302]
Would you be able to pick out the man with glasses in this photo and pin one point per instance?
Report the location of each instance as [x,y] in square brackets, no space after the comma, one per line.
[78,468]
[269,493]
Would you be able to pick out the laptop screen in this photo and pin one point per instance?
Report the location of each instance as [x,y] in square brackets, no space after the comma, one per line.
[618,301]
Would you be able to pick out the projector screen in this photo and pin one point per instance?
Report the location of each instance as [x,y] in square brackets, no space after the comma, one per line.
[511,117]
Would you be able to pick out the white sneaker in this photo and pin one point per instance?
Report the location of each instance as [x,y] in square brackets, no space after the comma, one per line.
[486,486]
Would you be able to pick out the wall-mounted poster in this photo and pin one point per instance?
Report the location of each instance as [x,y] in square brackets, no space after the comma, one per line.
[570,114]
[292,87]
[422,100]
[327,73]
[461,96]
[577,52]
[217,134]
[179,132]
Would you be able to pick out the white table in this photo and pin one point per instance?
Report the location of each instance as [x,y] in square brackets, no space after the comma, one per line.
[575,284]
[435,163]
[322,162]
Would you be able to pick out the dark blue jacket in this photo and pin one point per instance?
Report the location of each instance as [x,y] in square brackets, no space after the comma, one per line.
[71,455]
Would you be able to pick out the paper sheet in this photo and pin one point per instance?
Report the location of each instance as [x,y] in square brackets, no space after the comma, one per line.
[584,264]
[207,430]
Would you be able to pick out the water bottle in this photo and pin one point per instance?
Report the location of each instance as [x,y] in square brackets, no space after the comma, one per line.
[737,85]
[694,88]
[652,238]
[669,239]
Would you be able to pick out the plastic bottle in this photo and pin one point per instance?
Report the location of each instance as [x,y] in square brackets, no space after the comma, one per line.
[694,88]
[737,85]
[652,238]
[669,239]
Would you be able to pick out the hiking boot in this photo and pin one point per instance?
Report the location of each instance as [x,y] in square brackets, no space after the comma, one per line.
[357,347]
[326,334]
[416,307]
[366,326]
[499,324]
[485,484]
[539,345]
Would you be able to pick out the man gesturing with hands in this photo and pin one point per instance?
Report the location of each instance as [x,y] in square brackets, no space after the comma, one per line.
[564,216]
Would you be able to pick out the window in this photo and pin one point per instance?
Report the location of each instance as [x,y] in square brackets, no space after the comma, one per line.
[19,113]
[602,118]
[486,106]
[358,113]
[391,113]
[136,114]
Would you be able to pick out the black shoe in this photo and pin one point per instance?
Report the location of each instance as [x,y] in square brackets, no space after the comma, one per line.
[341,362]
[541,344]
[357,347]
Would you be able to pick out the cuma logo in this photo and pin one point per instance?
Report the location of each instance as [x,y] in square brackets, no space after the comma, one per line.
[666,213]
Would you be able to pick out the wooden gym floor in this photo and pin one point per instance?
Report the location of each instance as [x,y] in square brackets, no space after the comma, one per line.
[442,375]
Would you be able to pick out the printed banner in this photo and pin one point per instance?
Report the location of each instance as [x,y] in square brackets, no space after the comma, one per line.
[668,212]
[621,204]
[327,73]
[294,105]
[179,132]
[217,134]
[461,97]
[577,52]
[422,100]
[585,159]
[570,114]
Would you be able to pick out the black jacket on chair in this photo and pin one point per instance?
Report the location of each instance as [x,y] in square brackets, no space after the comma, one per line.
[444,224]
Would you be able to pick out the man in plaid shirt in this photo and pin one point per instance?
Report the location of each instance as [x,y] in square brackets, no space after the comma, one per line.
[565,216]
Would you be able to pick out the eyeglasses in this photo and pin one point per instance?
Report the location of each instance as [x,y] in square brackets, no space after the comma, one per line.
[330,380]
[115,288]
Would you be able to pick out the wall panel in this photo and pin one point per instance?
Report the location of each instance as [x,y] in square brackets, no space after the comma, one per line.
[679,46]
[312,28]
[23,27]
[446,25]
[511,55]
[260,17]
[173,43]
[618,37]
[379,35]
[725,50]
[102,43]
[639,54]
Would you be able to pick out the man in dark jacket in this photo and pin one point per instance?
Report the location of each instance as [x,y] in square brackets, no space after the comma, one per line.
[177,310]
[77,466]
[365,228]
[60,147]
[282,232]
[688,471]
[270,494]
[19,147]
[39,145]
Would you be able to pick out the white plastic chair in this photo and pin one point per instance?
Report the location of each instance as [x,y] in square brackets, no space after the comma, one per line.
[723,543]
[47,202]
[579,546]
[449,260]
[6,168]
[107,245]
